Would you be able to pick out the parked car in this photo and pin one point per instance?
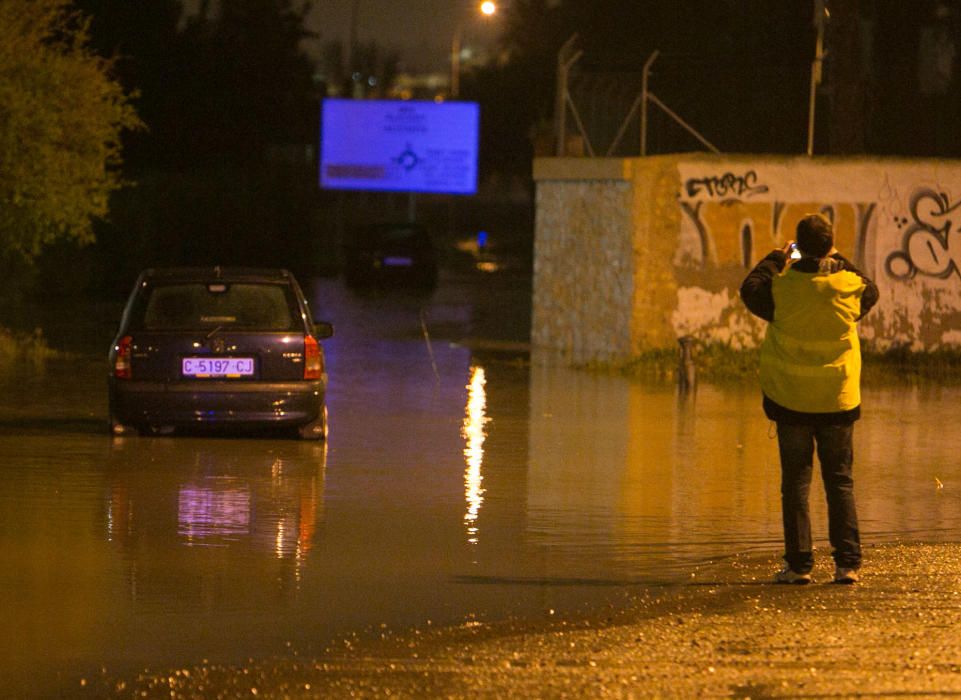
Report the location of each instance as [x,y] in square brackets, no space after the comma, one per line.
[390,254]
[215,348]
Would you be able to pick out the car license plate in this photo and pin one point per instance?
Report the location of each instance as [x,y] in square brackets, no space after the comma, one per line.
[397,261]
[217,366]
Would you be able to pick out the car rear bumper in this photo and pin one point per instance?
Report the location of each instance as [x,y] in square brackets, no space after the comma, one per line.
[209,403]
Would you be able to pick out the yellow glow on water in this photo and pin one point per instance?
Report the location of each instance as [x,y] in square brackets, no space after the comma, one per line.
[475,418]
[279,543]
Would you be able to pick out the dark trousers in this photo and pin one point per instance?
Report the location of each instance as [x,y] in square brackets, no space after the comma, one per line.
[835,452]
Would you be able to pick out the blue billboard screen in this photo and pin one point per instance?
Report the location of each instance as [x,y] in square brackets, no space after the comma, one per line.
[399,146]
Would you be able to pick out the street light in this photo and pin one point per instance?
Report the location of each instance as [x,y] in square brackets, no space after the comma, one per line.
[821,16]
[487,9]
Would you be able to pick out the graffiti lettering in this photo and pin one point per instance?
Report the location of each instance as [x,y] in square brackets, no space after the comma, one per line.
[926,247]
[725,233]
[726,185]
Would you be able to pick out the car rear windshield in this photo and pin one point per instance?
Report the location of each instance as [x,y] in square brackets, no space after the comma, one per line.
[211,305]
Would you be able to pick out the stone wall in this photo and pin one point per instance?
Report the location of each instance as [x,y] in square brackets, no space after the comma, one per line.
[584,277]
[631,254]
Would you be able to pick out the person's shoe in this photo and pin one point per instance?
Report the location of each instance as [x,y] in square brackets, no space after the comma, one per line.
[789,575]
[846,576]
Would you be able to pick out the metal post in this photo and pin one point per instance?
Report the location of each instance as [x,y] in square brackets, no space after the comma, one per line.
[560,97]
[686,369]
[455,49]
[352,46]
[644,80]
[820,15]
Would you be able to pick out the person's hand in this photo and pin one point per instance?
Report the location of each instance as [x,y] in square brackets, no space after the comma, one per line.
[787,248]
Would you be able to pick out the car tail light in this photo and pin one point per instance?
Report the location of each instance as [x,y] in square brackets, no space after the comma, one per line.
[121,365]
[313,359]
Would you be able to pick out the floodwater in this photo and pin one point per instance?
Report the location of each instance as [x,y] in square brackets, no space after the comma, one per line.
[459,481]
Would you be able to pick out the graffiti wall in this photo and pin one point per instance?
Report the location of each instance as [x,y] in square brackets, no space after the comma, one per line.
[698,223]
[898,221]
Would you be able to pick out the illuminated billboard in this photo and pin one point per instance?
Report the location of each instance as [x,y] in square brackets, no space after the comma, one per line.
[399,146]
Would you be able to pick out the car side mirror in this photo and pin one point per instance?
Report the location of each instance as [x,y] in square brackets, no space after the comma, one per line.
[323,329]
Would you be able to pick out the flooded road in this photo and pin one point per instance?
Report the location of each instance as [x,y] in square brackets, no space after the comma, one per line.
[458,481]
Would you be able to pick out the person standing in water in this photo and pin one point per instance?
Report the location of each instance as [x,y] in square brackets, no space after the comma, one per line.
[810,375]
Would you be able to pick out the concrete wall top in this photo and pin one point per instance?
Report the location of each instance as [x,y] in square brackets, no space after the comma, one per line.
[551,168]
[563,169]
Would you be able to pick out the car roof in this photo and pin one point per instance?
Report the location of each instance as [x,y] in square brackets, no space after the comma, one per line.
[368,234]
[392,224]
[377,229]
[206,274]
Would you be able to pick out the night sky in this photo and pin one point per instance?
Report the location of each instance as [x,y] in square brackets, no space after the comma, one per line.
[421,31]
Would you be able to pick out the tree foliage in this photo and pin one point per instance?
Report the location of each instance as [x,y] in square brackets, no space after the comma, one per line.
[224,168]
[240,84]
[222,84]
[61,118]
[143,43]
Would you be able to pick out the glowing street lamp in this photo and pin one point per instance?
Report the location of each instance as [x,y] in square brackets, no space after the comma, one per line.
[487,8]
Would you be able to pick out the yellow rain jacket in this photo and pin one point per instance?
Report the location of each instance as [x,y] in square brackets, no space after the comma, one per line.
[811,357]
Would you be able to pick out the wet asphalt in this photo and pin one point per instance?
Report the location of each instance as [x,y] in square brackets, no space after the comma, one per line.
[728,632]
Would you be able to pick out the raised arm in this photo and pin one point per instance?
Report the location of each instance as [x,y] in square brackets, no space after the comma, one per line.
[756,287]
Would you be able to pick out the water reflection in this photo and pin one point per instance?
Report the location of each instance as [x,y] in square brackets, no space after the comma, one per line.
[491,488]
[474,433]
[170,501]
[905,442]
[633,482]
[211,514]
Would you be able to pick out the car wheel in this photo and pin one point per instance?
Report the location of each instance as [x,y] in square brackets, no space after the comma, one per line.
[315,430]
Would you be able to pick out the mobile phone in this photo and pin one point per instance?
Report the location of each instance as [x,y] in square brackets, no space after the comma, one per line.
[793,252]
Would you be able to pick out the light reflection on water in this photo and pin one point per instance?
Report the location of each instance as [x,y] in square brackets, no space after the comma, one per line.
[209,514]
[164,498]
[651,481]
[474,433]
[489,488]
[648,480]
